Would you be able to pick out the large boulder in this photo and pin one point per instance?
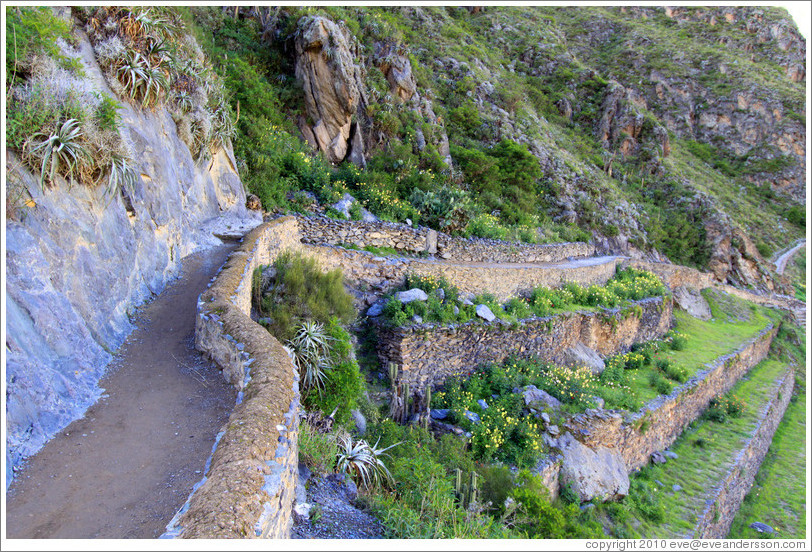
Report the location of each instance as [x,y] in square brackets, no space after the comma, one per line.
[593,473]
[397,68]
[581,355]
[333,86]
[414,294]
[691,301]
[539,399]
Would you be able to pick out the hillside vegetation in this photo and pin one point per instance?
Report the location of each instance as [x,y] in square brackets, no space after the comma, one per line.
[526,123]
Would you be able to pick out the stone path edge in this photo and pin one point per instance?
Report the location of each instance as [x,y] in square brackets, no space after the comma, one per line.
[249,484]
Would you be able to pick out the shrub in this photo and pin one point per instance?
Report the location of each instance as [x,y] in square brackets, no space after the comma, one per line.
[343,382]
[30,32]
[302,291]
[677,341]
[541,519]
[568,494]
[363,462]
[317,450]
[677,373]
[310,349]
[724,407]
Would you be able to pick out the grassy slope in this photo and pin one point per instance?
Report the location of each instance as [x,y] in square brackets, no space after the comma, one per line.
[707,340]
[778,497]
[706,452]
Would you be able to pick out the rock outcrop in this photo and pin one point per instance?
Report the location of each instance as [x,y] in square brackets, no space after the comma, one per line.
[79,261]
[333,88]
[593,473]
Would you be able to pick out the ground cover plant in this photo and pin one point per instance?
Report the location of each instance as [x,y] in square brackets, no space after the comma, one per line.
[445,304]
[307,309]
[778,496]
[705,453]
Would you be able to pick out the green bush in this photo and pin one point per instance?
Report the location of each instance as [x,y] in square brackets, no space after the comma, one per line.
[33,31]
[797,215]
[302,291]
[317,450]
[543,520]
[344,384]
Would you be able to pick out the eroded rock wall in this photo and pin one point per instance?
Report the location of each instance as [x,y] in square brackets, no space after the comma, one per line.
[79,262]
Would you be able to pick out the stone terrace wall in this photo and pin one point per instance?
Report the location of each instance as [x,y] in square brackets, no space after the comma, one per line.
[428,354]
[715,520]
[249,488]
[380,275]
[675,275]
[660,422]
[319,230]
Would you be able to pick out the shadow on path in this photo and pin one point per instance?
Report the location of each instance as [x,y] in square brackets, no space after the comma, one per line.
[126,467]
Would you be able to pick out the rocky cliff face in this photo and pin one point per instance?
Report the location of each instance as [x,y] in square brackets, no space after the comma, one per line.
[614,103]
[79,261]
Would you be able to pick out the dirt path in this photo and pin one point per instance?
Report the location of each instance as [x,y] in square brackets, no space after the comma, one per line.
[124,469]
[781,262]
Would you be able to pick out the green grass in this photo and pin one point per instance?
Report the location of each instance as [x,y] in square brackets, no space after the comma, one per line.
[707,340]
[706,452]
[778,496]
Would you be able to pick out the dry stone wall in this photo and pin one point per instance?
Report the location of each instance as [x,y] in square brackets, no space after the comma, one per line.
[715,520]
[675,276]
[428,354]
[320,230]
[378,275]
[660,422]
[249,485]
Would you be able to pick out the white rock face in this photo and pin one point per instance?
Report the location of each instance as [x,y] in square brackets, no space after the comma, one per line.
[79,261]
[415,294]
[593,473]
[483,311]
[581,355]
[691,301]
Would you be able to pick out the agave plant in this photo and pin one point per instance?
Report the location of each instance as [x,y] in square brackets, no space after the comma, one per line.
[61,151]
[148,21]
[184,101]
[310,348]
[120,173]
[363,461]
[142,81]
[222,126]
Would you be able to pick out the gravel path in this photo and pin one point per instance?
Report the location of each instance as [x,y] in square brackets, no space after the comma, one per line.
[333,514]
[781,262]
[124,469]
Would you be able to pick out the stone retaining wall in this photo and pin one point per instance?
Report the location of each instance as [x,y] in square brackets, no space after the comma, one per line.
[428,354]
[249,486]
[662,420]
[715,520]
[321,230]
[379,275]
[675,275]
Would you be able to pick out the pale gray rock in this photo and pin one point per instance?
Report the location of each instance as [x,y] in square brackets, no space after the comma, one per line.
[485,313]
[594,473]
[538,398]
[762,527]
[414,294]
[581,355]
[376,309]
[691,301]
